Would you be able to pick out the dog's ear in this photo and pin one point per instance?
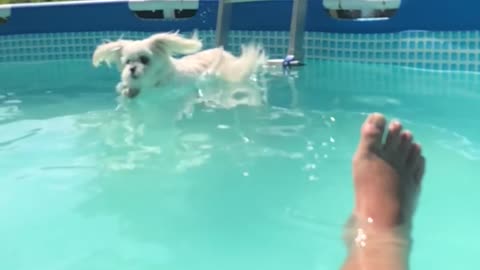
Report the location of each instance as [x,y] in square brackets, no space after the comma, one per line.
[173,43]
[109,53]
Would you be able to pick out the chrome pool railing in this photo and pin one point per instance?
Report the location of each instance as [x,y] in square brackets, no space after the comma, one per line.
[294,55]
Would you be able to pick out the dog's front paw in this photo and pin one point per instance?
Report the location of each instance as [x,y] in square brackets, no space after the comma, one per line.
[123,90]
[121,87]
[131,92]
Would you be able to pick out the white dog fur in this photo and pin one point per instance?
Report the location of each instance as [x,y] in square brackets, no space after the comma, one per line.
[151,62]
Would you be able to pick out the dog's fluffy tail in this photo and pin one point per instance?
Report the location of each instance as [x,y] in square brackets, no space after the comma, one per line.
[252,58]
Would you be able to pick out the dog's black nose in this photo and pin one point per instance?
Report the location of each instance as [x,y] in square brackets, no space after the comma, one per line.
[132,69]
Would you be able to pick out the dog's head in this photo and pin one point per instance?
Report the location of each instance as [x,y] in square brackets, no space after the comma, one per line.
[145,63]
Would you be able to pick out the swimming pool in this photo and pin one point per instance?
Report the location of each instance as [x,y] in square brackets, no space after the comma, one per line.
[87,186]
[88,182]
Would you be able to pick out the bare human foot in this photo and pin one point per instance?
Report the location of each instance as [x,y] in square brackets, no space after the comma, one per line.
[387,178]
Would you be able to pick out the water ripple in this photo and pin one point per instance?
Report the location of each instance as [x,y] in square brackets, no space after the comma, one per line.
[30,133]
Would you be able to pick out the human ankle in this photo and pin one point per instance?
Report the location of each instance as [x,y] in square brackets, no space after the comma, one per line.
[360,232]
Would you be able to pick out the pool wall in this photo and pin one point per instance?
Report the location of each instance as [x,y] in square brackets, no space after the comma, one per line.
[422,34]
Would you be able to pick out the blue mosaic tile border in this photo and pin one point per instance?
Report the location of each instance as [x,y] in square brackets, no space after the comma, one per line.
[418,49]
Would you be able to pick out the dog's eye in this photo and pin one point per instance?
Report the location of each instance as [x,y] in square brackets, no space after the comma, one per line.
[128,61]
[144,60]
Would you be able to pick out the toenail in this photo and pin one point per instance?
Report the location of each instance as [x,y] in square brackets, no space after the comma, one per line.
[376,125]
[395,125]
[377,122]
[407,136]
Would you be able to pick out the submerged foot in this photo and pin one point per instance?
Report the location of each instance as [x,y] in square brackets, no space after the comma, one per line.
[387,175]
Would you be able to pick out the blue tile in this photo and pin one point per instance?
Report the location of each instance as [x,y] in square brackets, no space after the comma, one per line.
[387,48]
[472,45]
[429,45]
[404,34]
[412,45]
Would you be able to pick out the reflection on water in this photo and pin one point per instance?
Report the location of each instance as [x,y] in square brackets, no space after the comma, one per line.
[151,126]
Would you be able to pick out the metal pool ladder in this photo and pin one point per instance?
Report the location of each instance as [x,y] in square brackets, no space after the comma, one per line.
[295,54]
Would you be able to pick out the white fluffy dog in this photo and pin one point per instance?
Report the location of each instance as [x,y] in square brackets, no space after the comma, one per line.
[151,62]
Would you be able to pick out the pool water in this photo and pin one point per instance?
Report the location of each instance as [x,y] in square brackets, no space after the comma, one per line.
[88,181]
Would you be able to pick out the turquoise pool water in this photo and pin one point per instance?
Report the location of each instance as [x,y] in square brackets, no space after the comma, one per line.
[88,184]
